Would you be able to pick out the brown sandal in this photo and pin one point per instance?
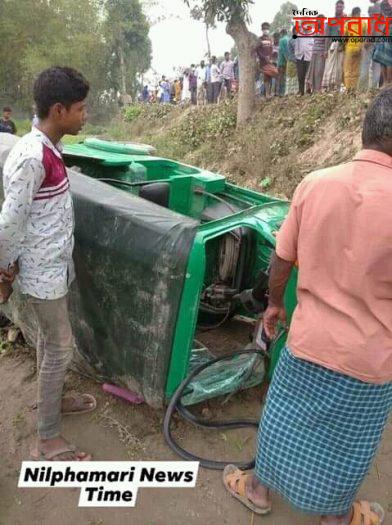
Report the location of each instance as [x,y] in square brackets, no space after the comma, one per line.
[74,398]
[38,455]
[234,480]
[366,513]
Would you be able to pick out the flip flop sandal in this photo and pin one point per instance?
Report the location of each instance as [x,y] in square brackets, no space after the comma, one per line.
[234,480]
[366,513]
[88,398]
[51,456]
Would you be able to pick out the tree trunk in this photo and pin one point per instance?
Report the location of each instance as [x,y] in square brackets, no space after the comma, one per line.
[123,70]
[246,42]
[208,41]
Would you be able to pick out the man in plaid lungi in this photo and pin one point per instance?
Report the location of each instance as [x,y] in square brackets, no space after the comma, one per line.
[331,393]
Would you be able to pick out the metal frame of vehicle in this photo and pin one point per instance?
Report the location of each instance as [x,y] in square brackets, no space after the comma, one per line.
[191,191]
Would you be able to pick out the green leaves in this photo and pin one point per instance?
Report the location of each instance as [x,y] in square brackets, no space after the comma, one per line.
[284,17]
[207,124]
[42,33]
[147,112]
[220,10]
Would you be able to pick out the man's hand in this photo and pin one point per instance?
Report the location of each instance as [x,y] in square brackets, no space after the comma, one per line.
[7,277]
[271,316]
[5,291]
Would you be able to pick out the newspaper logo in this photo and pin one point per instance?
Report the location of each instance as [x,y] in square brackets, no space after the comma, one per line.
[108,483]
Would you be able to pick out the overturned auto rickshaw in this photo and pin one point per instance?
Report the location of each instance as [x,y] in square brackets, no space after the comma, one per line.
[162,249]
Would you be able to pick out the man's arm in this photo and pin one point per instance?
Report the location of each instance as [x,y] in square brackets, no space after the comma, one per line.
[21,189]
[282,263]
[279,275]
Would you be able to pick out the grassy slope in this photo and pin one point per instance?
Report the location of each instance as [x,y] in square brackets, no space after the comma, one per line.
[286,139]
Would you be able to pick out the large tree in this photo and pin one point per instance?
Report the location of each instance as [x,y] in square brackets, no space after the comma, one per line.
[40,33]
[235,13]
[127,35]
[284,17]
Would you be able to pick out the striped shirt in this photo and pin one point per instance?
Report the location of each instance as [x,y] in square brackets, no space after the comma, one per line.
[36,220]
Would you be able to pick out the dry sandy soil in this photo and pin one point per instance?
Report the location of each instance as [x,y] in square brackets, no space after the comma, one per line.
[119,431]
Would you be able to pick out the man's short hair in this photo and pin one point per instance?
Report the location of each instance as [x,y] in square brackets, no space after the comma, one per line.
[62,85]
[339,2]
[7,109]
[265,25]
[283,31]
[377,126]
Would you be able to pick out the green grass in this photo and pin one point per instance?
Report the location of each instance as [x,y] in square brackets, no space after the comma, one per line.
[23,126]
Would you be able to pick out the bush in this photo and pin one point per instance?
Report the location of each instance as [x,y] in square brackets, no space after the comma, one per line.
[209,124]
[148,112]
[131,113]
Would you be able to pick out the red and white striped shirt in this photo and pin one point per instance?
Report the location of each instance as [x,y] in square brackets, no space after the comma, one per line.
[36,220]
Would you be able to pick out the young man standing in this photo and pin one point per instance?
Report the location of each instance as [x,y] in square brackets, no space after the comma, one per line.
[282,61]
[36,230]
[201,84]
[303,49]
[370,71]
[208,84]
[216,80]
[227,70]
[264,51]
[333,71]
[193,84]
[6,124]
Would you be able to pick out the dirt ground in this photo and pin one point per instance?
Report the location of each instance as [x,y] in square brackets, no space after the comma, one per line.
[119,431]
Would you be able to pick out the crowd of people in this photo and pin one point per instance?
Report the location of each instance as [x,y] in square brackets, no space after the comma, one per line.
[331,393]
[291,64]
[207,83]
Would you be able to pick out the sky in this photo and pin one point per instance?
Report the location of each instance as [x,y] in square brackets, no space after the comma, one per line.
[180,41]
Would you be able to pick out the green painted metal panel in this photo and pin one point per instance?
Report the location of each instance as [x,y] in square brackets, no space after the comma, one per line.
[192,191]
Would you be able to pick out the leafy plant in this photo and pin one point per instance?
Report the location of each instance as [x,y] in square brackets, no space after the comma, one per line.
[132,112]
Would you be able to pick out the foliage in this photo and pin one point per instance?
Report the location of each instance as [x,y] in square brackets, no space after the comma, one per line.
[147,112]
[126,30]
[206,125]
[283,142]
[221,10]
[283,18]
[132,112]
[39,33]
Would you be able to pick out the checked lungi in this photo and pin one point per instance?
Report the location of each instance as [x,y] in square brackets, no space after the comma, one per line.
[318,435]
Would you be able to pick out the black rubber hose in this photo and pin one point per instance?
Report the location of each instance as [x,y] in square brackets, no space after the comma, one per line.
[175,404]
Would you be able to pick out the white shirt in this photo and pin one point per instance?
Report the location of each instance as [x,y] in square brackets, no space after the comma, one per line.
[201,76]
[303,48]
[37,220]
[215,73]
